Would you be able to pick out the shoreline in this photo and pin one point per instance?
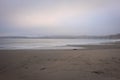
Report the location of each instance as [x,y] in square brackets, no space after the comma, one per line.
[110,45]
[51,46]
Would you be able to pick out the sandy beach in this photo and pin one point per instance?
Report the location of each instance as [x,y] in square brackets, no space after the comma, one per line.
[97,63]
[59,39]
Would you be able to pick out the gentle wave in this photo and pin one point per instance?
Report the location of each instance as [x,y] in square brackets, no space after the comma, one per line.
[49,43]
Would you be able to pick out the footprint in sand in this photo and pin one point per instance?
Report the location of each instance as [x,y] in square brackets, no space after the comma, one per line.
[43,68]
[98,72]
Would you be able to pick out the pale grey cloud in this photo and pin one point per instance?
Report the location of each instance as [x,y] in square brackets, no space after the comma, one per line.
[59,17]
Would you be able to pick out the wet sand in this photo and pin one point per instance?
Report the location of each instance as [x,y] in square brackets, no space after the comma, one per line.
[87,64]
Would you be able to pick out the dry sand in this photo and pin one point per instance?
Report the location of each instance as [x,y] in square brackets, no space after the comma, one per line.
[92,64]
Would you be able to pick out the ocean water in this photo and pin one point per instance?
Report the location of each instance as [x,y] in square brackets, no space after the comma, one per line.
[20,43]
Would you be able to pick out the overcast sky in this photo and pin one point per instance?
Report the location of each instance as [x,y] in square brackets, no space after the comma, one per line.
[59,17]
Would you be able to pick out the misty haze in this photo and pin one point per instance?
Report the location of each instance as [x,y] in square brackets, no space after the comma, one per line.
[59,39]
